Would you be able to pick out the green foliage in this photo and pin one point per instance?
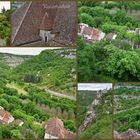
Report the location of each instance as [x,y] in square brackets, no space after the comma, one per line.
[4,103]
[50,69]
[108,28]
[85,98]
[106,60]
[86,61]
[70,125]
[99,129]
[127,107]
[5,27]
[109,60]
[16,134]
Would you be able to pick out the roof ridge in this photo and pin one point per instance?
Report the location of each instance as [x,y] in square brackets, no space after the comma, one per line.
[22,20]
[55,17]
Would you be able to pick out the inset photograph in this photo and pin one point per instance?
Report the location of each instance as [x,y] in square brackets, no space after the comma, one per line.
[37,93]
[127,111]
[48,23]
[95,110]
[108,41]
[5,26]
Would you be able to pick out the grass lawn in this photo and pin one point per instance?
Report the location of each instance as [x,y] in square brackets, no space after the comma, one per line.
[19,88]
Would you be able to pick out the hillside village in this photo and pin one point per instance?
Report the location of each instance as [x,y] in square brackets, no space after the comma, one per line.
[30,108]
[5,117]
[54,129]
[93,35]
[109,32]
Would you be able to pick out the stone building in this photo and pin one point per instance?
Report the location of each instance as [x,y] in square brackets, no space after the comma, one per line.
[47,23]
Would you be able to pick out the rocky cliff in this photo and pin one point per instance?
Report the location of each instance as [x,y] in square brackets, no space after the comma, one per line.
[13,60]
[129,134]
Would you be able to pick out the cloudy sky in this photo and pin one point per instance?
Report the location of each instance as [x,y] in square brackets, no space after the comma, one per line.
[94,86]
[23,50]
[5,4]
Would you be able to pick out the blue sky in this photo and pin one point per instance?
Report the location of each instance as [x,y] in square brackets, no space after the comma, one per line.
[94,86]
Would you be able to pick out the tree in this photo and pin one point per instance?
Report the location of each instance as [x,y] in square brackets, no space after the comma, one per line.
[123,65]
[3,10]
[98,21]
[86,59]
[131,38]
[87,19]
[16,134]
[4,103]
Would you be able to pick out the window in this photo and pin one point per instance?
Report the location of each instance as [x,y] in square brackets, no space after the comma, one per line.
[46,39]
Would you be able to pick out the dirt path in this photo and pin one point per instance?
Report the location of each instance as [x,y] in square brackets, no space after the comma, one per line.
[54,93]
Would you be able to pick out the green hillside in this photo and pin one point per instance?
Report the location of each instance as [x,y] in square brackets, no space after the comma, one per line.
[52,70]
[127,106]
[109,60]
[24,85]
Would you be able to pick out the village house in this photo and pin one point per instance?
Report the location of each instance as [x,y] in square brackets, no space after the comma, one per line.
[5,117]
[18,122]
[47,23]
[111,36]
[136,31]
[55,130]
[90,34]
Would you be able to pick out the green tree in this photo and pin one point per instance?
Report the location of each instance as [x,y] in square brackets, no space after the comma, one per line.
[16,134]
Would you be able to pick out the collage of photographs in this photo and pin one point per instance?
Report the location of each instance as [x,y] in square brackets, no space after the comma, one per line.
[69,69]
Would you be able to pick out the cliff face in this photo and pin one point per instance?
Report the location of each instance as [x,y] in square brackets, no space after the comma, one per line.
[13,60]
[129,134]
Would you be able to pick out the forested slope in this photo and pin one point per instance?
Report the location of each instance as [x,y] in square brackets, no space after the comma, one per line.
[110,59]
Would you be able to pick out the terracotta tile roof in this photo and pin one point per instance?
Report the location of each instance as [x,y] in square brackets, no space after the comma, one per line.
[47,24]
[2,112]
[35,44]
[51,15]
[43,44]
[17,21]
[65,23]
[87,30]
[55,127]
[4,115]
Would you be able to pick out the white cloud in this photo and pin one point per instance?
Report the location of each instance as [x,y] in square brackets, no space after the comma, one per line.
[94,86]
[23,50]
[5,4]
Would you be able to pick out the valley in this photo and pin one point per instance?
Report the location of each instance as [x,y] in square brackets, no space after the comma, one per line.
[36,91]
[95,114]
